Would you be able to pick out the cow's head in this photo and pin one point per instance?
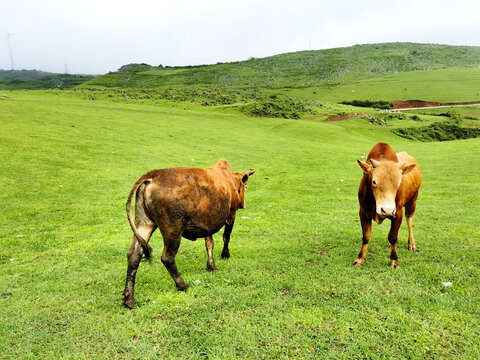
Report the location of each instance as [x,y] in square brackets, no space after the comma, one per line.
[384,178]
[241,185]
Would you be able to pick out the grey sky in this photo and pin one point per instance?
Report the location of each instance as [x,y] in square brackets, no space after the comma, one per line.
[97,36]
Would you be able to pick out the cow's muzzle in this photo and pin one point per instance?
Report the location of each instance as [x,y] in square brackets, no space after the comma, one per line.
[387,211]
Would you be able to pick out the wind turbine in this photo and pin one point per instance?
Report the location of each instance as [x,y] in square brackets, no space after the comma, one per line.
[10,48]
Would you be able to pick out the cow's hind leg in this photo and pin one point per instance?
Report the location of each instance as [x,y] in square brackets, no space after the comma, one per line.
[366,236]
[134,255]
[171,243]
[226,238]
[209,245]
[409,211]
[393,238]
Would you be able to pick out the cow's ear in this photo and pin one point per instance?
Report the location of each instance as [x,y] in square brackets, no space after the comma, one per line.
[247,175]
[366,167]
[406,168]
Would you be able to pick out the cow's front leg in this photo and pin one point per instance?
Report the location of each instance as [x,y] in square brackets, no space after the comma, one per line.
[411,239]
[134,255]
[367,234]
[209,245]
[409,211]
[170,249]
[393,238]
[226,237]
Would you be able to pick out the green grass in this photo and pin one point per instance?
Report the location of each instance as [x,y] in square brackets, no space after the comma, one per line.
[443,85]
[289,289]
[162,72]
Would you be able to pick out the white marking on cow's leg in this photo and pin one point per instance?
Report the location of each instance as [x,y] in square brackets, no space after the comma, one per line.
[209,246]
[411,240]
[409,211]
[145,231]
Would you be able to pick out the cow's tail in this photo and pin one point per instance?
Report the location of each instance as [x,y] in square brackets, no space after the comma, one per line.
[147,250]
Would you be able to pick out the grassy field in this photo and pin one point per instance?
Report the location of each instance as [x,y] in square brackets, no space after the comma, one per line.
[443,85]
[289,289]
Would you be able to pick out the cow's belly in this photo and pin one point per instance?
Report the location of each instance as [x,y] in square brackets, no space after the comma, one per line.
[193,232]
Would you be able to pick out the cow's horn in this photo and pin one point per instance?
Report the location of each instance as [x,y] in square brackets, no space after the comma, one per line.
[375,163]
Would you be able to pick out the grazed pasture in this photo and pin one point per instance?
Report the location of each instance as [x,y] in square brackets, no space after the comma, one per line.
[289,289]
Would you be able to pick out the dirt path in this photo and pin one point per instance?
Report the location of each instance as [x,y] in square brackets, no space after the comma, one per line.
[434,107]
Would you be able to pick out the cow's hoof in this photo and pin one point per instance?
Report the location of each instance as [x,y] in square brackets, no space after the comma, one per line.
[183,287]
[225,255]
[211,268]
[393,264]
[358,262]
[129,302]
[412,248]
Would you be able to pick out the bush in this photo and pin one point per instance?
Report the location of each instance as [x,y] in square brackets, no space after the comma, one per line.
[371,104]
[441,131]
[383,119]
[280,106]
[416,118]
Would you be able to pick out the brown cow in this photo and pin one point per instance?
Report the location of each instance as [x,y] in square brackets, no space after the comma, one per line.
[182,202]
[390,182]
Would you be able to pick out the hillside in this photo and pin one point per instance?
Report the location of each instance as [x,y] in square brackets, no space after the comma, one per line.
[299,69]
[35,79]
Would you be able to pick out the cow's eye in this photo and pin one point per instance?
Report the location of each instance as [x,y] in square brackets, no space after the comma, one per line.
[374,183]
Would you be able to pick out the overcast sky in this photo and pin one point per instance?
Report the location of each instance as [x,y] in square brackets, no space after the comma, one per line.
[97,36]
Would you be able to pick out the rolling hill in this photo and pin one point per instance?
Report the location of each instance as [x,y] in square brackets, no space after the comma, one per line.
[35,79]
[304,69]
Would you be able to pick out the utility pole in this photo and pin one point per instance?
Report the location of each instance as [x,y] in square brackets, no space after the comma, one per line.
[10,48]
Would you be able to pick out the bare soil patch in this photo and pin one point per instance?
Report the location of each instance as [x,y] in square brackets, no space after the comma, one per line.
[414,104]
[409,104]
[339,118]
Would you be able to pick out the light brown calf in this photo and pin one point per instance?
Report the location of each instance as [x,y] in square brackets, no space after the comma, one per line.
[390,182]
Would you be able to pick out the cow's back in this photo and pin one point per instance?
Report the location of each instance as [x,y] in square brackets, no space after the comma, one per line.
[382,152]
[197,199]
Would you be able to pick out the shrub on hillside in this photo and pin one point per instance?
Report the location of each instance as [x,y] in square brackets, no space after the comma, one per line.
[453,117]
[384,119]
[440,131]
[416,118]
[280,107]
[379,104]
